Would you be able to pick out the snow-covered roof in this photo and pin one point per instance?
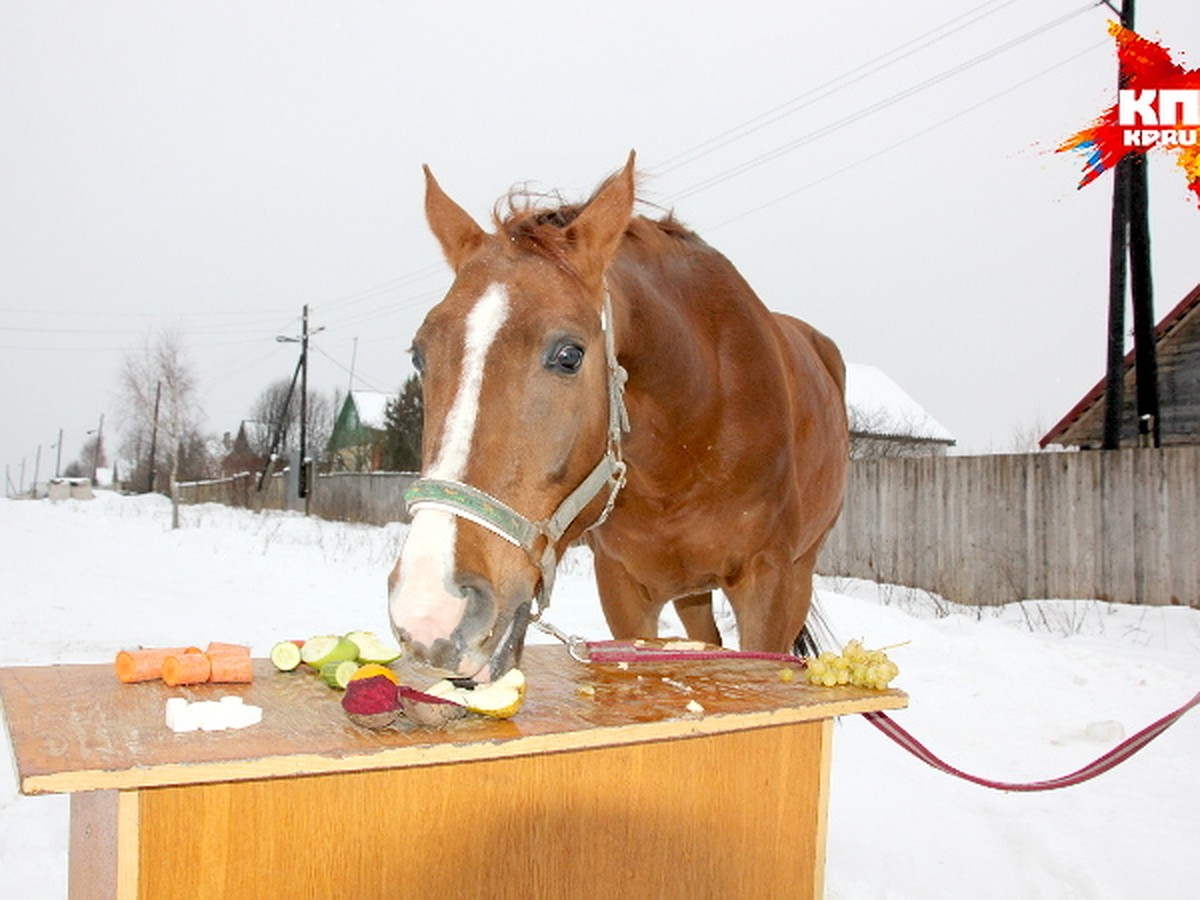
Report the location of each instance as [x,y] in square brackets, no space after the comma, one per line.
[371,407]
[879,406]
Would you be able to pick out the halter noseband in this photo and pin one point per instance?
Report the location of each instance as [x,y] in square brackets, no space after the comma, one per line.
[477,506]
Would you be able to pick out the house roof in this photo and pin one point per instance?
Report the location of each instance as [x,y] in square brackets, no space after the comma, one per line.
[880,407]
[255,432]
[371,407]
[1168,324]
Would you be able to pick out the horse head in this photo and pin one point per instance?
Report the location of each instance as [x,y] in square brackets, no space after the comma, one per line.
[523,412]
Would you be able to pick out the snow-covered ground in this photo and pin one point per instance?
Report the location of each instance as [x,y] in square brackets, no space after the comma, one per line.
[1025,692]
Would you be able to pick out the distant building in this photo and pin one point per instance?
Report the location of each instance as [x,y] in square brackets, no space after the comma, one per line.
[1177,345]
[247,452]
[886,421]
[356,442]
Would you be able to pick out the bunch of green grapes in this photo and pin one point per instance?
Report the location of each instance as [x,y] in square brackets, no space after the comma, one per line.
[855,665]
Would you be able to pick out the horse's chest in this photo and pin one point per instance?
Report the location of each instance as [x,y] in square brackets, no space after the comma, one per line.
[672,557]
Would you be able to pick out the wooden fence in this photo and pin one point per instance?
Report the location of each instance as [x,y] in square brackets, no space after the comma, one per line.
[1119,525]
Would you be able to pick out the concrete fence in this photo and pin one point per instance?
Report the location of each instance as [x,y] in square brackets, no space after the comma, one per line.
[1119,525]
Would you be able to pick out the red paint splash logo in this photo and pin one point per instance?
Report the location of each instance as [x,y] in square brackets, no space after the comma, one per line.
[1158,107]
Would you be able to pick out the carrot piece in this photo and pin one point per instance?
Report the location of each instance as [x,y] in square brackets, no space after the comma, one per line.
[221,647]
[186,668]
[230,668]
[146,664]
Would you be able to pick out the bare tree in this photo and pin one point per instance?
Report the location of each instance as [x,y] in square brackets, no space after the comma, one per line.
[91,458]
[880,433]
[160,409]
[275,410]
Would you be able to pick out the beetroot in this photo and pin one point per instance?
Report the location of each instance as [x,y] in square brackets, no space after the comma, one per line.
[372,702]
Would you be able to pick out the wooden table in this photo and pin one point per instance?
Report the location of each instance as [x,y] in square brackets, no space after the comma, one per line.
[604,784]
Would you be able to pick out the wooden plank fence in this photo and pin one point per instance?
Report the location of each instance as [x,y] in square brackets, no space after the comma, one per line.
[1118,525]
[375,498]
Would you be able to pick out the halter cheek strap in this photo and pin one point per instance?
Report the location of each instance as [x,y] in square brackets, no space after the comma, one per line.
[539,539]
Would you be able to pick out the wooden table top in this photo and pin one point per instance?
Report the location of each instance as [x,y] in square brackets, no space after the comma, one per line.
[76,728]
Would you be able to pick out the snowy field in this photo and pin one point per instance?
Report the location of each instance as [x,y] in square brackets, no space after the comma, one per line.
[1026,692]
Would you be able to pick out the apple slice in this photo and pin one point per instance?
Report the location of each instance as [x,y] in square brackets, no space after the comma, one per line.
[327,648]
[373,650]
[499,699]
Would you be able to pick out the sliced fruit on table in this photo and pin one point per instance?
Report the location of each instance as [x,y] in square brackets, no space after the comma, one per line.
[326,648]
[373,649]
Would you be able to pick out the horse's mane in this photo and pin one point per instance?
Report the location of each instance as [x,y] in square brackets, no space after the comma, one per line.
[538,223]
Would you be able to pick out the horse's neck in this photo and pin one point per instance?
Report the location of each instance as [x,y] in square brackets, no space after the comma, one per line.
[673,327]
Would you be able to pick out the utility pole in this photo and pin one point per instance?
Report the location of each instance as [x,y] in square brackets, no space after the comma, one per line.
[154,436]
[99,449]
[1142,290]
[302,369]
[37,466]
[303,474]
[58,455]
[280,426]
[1129,250]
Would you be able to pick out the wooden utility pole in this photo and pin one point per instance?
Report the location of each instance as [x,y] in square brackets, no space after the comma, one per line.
[1129,251]
[154,437]
[303,474]
[302,371]
[281,425]
[1142,290]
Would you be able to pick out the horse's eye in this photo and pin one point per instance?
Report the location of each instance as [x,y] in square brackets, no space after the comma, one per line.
[566,358]
[418,360]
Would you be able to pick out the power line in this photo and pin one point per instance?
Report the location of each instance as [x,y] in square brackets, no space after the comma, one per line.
[912,137]
[357,376]
[873,108]
[827,89]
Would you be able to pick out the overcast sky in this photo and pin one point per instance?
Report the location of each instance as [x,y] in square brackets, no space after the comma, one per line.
[881,169]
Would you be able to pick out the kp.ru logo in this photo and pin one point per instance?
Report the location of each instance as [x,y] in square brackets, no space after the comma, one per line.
[1158,106]
[1166,118]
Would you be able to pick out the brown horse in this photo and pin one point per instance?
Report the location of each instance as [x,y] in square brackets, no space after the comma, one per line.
[720,464]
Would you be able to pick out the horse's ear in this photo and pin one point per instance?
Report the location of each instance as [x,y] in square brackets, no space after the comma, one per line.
[454,228]
[596,234]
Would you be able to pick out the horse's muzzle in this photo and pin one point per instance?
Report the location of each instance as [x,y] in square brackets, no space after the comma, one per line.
[469,652]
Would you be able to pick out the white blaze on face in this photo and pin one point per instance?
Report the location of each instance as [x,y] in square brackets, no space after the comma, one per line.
[424,601]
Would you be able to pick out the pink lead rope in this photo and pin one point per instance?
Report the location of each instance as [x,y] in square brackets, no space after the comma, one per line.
[639,651]
[1109,760]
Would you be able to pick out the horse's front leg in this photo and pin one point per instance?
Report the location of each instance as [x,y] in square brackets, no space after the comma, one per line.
[629,609]
[771,603]
[696,614]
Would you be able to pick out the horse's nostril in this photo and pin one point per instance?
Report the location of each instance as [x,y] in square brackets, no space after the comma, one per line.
[478,596]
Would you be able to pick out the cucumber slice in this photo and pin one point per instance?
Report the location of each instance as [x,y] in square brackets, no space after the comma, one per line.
[338,674]
[286,656]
